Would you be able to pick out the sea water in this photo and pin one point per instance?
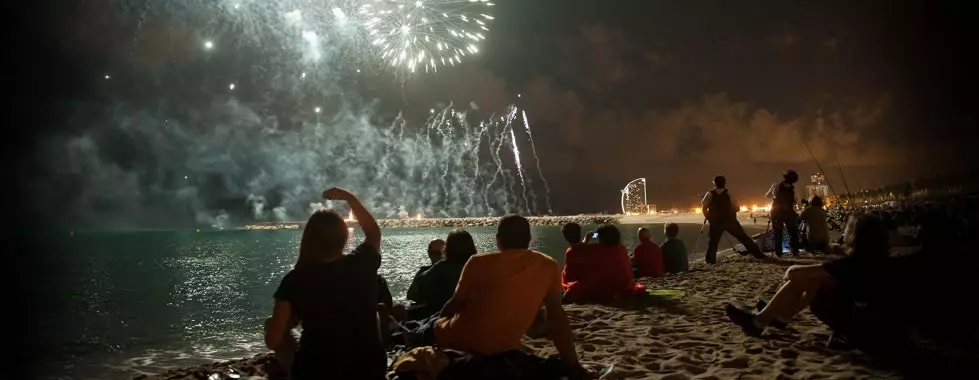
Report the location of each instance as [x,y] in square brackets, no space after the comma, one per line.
[117,304]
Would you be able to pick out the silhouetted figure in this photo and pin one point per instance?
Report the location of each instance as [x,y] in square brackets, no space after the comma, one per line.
[783,215]
[721,212]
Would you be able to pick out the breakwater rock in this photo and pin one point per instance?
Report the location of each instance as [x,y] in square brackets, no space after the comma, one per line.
[450,222]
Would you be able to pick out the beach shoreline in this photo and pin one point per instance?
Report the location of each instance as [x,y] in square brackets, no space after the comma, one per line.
[583,219]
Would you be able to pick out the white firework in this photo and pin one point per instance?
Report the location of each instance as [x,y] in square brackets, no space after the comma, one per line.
[411,34]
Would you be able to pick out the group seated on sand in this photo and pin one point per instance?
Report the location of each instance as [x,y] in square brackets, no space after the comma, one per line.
[472,309]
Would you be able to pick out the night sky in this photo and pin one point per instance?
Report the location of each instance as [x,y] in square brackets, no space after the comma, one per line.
[675,91]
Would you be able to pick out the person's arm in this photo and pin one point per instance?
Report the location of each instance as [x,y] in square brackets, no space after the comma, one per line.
[558,325]
[413,293]
[372,232]
[705,203]
[467,278]
[770,195]
[279,325]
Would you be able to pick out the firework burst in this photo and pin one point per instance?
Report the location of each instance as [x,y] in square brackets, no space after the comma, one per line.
[413,34]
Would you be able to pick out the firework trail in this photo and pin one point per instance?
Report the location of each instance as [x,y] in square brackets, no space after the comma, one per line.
[516,153]
[533,149]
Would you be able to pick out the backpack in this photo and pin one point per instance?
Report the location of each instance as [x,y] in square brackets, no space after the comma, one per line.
[721,207]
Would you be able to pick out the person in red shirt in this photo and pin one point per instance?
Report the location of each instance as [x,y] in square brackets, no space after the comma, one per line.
[599,273]
[647,258]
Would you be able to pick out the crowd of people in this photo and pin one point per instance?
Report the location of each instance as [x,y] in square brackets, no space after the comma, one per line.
[482,304]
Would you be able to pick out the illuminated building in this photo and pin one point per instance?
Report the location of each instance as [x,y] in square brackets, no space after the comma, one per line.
[817,186]
[634,198]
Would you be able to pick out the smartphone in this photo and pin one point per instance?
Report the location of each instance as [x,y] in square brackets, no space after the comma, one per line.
[594,235]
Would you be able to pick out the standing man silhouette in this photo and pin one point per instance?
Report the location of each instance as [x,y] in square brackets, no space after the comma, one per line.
[783,214]
[721,212]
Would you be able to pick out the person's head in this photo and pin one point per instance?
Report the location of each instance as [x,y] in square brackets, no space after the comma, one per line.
[865,236]
[608,235]
[790,177]
[816,201]
[436,248]
[459,246]
[720,182]
[671,230]
[513,232]
[324,237]
[644,235]
[571,232]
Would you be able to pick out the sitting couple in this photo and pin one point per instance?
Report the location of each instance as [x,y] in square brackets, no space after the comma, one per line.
[434,284]
[334,296]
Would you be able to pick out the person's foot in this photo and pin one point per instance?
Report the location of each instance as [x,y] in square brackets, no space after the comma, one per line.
[775,322]
[744,319]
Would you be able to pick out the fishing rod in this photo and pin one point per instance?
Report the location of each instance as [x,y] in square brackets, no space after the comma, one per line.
[798,128]
[839,168]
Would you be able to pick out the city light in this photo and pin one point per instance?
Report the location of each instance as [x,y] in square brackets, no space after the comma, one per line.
[698,210]
[744,208]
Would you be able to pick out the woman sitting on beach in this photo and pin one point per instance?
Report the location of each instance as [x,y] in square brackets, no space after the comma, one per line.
[817,228]
[334,296]
[600,273]
[832,290]
[437,284]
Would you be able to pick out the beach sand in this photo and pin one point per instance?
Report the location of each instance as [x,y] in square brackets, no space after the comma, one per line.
[687,338]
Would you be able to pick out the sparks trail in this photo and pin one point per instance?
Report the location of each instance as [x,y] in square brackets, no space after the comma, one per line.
[533,149]
[516,154]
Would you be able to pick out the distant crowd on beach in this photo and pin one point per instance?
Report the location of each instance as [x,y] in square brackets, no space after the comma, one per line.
[467,311]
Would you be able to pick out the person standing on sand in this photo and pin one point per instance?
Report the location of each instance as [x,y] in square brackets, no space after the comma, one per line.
[783,215]
[721,212]
[498,298]
[334,297]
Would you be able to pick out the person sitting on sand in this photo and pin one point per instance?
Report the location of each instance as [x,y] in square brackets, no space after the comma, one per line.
[341,337]
[675,259]
[600,273]
[498,297]
[817,228]
[436,249]
[721,211]
[647,258]
[831,290]
[436,285]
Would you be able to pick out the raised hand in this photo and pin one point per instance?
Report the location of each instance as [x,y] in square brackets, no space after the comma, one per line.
[336,194]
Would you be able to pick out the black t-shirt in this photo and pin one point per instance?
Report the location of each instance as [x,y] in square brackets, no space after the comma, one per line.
[336,303]
[860,277]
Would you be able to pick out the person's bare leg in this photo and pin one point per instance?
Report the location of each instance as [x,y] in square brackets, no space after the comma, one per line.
[789,300]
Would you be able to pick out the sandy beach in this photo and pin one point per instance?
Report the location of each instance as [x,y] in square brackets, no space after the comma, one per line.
[687,338]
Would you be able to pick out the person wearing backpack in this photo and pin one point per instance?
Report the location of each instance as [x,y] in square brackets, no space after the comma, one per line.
[722,213]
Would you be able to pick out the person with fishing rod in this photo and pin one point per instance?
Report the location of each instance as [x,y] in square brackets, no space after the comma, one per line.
[721,212]
[783,216]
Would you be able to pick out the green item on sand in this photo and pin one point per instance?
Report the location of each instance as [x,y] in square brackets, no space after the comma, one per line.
[668,293]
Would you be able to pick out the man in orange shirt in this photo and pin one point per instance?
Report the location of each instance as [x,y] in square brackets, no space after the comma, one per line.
[499,295]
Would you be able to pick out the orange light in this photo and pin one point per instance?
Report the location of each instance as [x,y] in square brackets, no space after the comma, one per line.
[698,210]
[744,208]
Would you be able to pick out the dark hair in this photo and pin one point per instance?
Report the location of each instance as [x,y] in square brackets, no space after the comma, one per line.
[867,238]
[816,201]
[435,254]
[513,232]
[609,235]
[720,181]
[459,246]
[571,232]
[324,235]
[790,176]
[672,229]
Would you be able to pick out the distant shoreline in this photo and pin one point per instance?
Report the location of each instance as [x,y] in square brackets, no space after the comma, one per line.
[684,218]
